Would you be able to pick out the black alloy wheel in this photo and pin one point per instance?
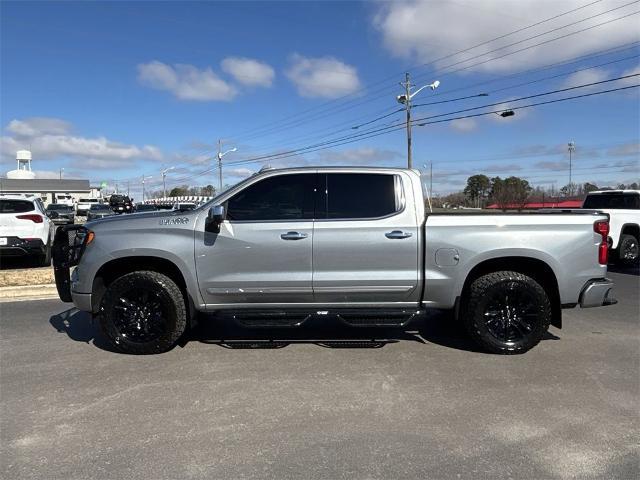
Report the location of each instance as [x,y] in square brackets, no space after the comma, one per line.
[143,312]
[628,249]
[506,312]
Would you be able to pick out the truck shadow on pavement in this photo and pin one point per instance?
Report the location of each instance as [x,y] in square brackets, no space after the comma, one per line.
[436,328]
[625,269]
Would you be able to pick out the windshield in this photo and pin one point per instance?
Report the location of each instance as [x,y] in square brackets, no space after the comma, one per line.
[88,200]
[613,201]
[59,207]
[99,207]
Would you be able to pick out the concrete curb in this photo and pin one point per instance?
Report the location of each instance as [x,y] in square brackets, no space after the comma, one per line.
[9,294]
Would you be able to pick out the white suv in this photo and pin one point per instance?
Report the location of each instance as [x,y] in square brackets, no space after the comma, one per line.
[25,229]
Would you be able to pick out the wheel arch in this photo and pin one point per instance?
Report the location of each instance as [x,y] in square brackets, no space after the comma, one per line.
[537,269]
[631,229]
[118,267]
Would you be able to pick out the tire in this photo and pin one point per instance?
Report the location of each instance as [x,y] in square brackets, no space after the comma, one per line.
[627,252]
[504,325]
[45,259]
[143,313]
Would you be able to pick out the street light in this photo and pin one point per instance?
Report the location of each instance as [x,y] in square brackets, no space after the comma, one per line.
[164,186]
[144,177]
[571,146]
[220,155]
[405,99]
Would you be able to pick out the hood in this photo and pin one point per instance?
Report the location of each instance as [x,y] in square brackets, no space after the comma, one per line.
[145,218]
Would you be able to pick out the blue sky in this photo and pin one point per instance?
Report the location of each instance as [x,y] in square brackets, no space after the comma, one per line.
[113,90]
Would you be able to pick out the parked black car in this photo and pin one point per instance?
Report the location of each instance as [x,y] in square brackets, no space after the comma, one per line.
[99,211]
[65,214]
[120,204]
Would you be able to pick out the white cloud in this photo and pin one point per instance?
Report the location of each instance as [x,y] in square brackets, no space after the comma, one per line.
[464,124]
[587,76]
[239,172]
[248,71]
[422,31]
[325,77]
[356,156]
[48,174]
[50,138]
[632,80]
[629,149]
[33,126]
[186,82]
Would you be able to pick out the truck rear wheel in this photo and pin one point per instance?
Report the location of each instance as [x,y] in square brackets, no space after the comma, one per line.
[506,312]
[628,250]
[143,312]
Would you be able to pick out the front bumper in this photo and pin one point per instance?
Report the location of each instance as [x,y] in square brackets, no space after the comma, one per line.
[597,293]
[82,301]
[63,220]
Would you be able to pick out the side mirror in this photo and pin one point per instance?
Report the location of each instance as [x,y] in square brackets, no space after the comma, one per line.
[215,217]
[52,214]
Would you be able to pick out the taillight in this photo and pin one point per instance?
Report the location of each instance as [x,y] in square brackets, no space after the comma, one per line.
[33,217]
[602,227]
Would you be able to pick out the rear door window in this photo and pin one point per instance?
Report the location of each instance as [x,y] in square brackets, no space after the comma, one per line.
[361,195]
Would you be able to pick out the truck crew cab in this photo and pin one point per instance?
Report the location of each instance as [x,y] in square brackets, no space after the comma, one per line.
[354,243]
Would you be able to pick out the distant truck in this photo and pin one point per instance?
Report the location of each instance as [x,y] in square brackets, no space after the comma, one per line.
[120,203]
[623,207]
[354,244]
[64,199]
[84,204]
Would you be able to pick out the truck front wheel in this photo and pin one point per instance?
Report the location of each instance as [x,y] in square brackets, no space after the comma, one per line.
[143,312]
[506,312]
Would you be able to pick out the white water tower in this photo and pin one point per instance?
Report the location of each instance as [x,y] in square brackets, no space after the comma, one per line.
[23,171]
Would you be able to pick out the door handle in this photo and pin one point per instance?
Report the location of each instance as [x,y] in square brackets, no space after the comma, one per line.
[398,234]
[293,236]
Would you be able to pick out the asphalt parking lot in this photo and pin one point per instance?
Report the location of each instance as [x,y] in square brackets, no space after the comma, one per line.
[321,402]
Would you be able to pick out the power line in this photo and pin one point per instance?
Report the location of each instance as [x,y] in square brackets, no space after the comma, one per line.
[375,133]
[271,126]
[445,74]
[546,67]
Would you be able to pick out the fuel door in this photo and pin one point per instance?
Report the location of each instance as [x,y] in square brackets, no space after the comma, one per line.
[447,257]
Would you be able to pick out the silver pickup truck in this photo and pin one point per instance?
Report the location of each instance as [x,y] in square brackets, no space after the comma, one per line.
[353,243]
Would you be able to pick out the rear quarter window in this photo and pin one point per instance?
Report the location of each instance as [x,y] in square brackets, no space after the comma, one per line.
[15,206]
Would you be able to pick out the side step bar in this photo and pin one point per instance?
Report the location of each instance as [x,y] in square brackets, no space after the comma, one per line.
[377,318]
[350,317]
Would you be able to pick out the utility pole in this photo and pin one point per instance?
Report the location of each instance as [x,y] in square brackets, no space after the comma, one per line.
[219,165]
[407,107]
[405,99]
[430,186]
[127,188]
[61,170]
[571,146]
[164,184]
[144,177]
[220,155]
